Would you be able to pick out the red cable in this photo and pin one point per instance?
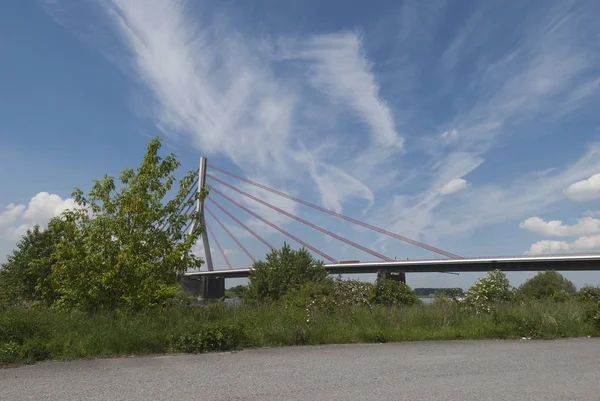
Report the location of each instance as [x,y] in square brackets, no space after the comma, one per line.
[230,234]
[341,216]
[212,234]
[281,230]
[301,220]
[261,239]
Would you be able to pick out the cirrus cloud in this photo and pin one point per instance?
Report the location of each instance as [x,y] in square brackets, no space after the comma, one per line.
[453,186]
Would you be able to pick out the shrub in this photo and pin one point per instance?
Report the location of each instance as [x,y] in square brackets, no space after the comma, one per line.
[548,285]
[351,293]
[282,271]
[10,352]
[589,294]
[495,288]
[318,295]
[218,337]
[390,292]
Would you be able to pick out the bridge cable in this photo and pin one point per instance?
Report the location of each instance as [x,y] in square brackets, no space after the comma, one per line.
[261,239]
[303,221]
[214,237]
[281,230]
[191,193]
[230,234]
[341,216]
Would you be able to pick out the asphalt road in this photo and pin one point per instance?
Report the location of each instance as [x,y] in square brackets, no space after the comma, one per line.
[462,370]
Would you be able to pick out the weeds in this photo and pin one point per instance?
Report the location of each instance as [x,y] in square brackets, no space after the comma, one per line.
[29,335]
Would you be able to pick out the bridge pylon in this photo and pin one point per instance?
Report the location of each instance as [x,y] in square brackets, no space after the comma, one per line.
[392,275]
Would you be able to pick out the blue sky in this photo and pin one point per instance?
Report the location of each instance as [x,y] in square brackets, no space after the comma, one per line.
[472,126]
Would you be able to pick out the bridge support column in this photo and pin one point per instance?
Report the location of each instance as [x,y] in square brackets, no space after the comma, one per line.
[204,287]
[396,276]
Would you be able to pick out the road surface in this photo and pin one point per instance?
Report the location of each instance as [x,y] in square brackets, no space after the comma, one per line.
[461,370]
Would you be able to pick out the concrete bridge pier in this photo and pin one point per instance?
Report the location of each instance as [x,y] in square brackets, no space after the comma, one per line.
[396,276]
[204,287]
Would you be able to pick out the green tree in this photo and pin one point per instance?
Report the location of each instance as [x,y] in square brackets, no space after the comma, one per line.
[24,276]
[589,293]
[114,251]
[282,271]
[239,290]
[390,292]
[548,285]
[493,289]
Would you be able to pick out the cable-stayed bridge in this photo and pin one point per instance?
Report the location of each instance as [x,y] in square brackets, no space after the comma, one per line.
[211,281]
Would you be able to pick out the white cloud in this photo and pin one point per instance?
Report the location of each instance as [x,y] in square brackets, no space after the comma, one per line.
[582,244]
[453,186]
[216,86]
[448,135]
[584,226]
[44,206]
[11,214]
[341,70]
[15,220]
[585,190]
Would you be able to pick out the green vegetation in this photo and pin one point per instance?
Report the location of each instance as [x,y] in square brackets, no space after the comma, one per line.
[28,335]
[103,280]
[548,285]
[281,271]
[118,248]
[431,292]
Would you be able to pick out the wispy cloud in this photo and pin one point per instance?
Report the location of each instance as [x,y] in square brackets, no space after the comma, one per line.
[308,112]
[216,86]
[340,70]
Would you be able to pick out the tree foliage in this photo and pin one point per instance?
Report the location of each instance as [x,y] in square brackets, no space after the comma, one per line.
[25,275]
[391,293]
[589,293]
[281,271]
[548,285]
[117,248]
[493,289]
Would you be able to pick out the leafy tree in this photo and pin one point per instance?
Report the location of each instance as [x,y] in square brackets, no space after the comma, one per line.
[25,275]
[390,292]
[114,251]
[548,285]
[589,293]
[493,289]
[282,271]
[239,290]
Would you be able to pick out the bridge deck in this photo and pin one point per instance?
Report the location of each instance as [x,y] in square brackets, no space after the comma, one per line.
[530,263]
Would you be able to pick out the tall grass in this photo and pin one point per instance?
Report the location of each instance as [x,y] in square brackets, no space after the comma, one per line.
[27,335]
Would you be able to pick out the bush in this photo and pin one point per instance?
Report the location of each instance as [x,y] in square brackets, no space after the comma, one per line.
[548,285]
[351,293]
[390,292]
[493,289]
[282,271]
[589,294]
[220,337]
[10,352]
[318,295]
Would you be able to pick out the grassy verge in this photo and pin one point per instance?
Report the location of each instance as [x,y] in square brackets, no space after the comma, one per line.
[28,335]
